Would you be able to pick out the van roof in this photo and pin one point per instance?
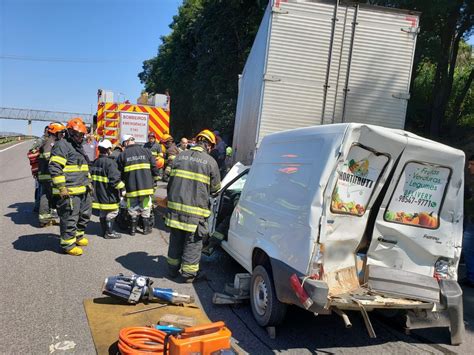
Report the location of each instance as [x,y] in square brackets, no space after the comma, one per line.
[345,128]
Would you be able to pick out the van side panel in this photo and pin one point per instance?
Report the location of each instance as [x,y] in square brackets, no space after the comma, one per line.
[276,210]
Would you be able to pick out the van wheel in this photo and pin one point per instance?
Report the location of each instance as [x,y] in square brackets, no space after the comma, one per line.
[266,308]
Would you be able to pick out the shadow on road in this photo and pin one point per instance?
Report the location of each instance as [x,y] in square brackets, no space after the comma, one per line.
[142,263]
[38,243]
[24,214]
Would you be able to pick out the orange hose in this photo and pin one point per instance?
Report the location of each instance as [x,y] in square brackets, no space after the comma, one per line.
[141,340]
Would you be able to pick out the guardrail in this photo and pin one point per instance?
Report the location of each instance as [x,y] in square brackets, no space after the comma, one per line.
[8,139]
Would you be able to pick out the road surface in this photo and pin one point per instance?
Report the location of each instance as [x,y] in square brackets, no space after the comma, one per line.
[42,289]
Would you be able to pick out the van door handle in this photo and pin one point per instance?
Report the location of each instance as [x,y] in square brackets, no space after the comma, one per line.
[383,240]
[261,226]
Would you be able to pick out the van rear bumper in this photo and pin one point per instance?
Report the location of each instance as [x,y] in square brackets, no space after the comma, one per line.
[317,290]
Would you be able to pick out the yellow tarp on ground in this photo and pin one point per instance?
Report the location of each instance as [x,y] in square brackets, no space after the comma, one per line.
[105,316]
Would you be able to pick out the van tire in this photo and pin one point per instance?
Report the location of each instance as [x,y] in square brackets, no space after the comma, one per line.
[266,308]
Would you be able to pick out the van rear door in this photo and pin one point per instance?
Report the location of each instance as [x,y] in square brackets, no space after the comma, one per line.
[418,230]
[367,156]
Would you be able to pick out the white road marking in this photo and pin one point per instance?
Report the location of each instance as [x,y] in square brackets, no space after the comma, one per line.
[3,150]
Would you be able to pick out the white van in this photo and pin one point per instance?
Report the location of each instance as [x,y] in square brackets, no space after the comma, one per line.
[366,217]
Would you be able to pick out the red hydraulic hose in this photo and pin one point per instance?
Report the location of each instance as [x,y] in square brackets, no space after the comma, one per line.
[141,340]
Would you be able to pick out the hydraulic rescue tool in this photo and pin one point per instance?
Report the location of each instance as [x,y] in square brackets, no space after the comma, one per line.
[135,288]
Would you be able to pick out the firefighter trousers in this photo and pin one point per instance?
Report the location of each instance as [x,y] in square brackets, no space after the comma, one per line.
[45,203]
[184,251]
[74,214]
[139,206]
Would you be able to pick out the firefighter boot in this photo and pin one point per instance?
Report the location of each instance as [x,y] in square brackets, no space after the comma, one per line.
[133,226]
[83,242]
[146,226]
[103,227]
[110,233]
[213,241]
[76,251]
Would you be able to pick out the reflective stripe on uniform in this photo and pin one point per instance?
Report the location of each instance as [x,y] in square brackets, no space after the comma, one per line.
[100,178]
[154,154]
[61,179]
[57,159]
[140,193]
[185,174]
[79,233]
[67,242]
[45,155]
[76,168]
[187,227]
[73,190]
[44,177]
[105,206]
[189,209]
[173,262]
[120,185]
[137,167]
[171,157]
[190,268]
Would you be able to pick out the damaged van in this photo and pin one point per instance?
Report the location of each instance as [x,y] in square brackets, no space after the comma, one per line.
[348,217]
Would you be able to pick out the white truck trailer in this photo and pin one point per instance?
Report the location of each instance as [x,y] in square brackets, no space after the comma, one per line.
[317,62]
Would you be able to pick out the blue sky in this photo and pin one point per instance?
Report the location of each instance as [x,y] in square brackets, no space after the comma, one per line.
[75,47]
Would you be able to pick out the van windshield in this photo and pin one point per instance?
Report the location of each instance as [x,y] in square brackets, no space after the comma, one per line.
[419,195]
[357,177]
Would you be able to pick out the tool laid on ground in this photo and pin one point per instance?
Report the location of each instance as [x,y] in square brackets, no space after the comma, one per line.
[212,338]
[145,310]
[135,288]
[235,293]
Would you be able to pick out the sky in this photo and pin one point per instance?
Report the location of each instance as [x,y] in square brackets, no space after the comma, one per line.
[55,54]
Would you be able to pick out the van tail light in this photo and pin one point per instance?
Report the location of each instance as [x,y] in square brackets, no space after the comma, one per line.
[300,292]
[441,269]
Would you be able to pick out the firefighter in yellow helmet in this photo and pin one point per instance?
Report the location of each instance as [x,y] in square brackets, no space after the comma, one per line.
[194,177]
[171,152]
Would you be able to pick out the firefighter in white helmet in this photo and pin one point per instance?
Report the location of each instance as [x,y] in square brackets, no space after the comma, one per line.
[106,179]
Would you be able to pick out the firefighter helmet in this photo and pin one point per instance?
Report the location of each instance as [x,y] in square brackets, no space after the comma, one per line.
[56,127]
[207,135]
[160,162]
[106,144]
[76,124]
[166,138]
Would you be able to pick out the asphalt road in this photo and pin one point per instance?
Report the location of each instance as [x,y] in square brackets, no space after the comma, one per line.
[42,290]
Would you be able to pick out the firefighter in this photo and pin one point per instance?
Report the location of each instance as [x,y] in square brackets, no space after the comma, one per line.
[107,184]
[46,205]
[194,176]
[171,152]
[155,148]
[69,171]
[139,172]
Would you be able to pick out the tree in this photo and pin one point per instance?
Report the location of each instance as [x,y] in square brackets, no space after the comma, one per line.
[443,26]
[200,61]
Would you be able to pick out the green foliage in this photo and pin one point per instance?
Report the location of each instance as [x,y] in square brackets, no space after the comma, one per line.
[200,60]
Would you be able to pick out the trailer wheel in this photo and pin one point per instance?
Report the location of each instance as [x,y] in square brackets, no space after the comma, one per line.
[266,308]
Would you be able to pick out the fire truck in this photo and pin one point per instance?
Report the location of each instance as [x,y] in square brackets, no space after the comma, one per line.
[151,113]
